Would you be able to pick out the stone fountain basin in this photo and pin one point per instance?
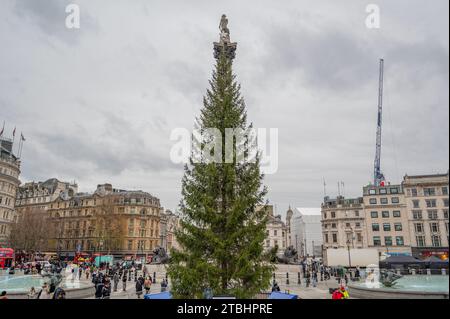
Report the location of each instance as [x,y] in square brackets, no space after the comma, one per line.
[408,287]
[74,290]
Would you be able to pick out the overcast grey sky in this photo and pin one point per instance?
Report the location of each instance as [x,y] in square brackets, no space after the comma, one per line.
[98,104]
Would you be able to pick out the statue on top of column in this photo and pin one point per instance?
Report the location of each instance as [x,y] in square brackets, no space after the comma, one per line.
[224,31]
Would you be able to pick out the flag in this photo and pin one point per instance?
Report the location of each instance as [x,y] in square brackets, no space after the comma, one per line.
[14,132]
[23,138]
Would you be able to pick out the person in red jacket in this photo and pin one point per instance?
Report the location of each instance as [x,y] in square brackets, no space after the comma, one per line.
[337,295]
[340,293]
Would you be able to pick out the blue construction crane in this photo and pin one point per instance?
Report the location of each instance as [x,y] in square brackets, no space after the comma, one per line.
[378,176]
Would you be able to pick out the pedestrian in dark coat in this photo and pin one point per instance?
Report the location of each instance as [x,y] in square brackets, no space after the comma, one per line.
[139,287]
[99,290]
[124,281]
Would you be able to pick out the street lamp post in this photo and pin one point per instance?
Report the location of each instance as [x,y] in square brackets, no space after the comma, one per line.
[349,255]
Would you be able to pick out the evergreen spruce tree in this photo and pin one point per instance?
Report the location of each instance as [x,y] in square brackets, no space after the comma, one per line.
[222,232]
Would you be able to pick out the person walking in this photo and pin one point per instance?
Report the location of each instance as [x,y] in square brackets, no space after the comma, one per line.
[99,290]
[124,280]
[148,284]
[308,279]
[139,287]
[314,279]
[116,279]
[164,285]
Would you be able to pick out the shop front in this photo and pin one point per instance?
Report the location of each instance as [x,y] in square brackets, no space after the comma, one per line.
[426,252]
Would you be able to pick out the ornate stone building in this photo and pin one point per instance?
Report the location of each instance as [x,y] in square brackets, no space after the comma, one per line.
[343,223]
[427,202]
[276,231]
[386,219]
[410,218]
[9,182]
[39,195]
[170,222]
[122,223]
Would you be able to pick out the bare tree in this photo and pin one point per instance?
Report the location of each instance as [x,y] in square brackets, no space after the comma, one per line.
[32,231]
[110,227]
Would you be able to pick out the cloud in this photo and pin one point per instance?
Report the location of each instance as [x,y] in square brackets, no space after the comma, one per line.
[98,104]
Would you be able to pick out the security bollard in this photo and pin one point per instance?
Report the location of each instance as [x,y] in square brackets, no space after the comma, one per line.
[299,280]
[273,276]
[287,278]
[154,277]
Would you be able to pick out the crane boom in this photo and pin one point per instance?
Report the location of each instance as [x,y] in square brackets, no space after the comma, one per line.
[378,175]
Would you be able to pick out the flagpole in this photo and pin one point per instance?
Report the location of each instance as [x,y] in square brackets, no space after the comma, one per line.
[12,147]
[20,146]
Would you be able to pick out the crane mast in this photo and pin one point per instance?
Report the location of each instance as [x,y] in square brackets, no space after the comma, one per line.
[378,175]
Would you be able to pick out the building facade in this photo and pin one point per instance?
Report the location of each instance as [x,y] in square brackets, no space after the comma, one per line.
[122,223]
[406,219]
[387,219]
[170,223]
[9,183]
[427,202]
[343,223]
[276,231]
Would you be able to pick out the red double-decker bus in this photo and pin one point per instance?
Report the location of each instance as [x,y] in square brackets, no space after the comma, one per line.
[6,257]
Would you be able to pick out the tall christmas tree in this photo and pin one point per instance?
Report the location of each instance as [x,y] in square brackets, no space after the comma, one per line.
[222,231]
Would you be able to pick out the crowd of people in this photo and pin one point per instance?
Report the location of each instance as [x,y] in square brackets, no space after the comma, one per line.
[105,278]
[313,270]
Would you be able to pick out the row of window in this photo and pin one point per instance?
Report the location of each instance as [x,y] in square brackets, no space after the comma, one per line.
[9,188]
[432,214]
[434,228]
[333,214]
[392,190]
[9,172]
[275,233]
[435,241]
[399,241]
[384,200]
[386,214]
[387,227]
[430,203]
[350,239]
[427,191]
[6,201]
[347,225]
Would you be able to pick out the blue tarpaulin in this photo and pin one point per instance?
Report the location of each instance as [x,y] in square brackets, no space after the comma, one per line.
[281,295]
[162,295]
